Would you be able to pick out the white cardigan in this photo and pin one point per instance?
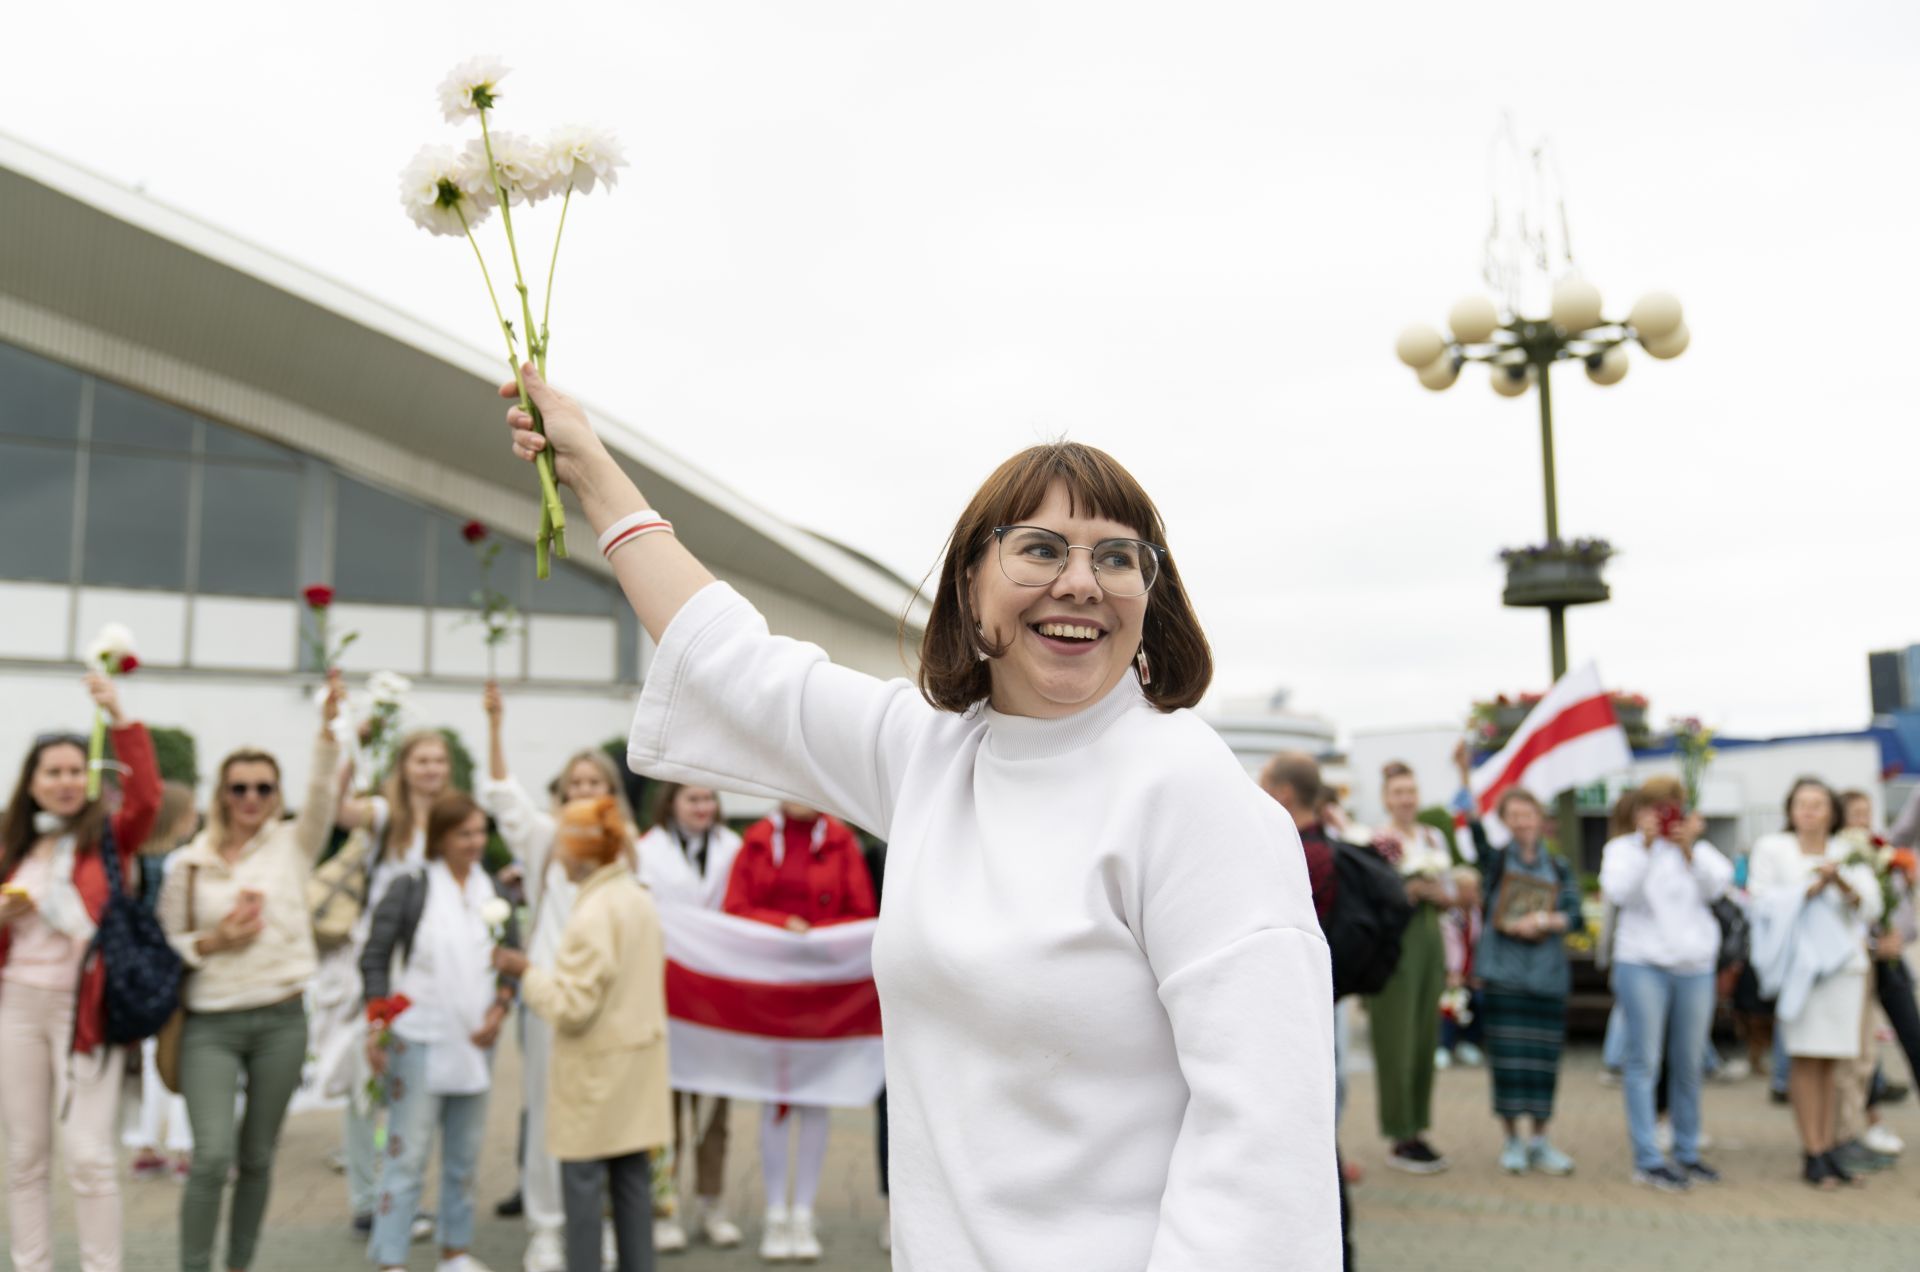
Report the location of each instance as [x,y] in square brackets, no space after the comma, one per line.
[1108,1003]
[1776,864]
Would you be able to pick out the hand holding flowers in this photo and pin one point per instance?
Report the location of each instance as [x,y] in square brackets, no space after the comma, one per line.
[381,1013]
[448,192]
[110,655]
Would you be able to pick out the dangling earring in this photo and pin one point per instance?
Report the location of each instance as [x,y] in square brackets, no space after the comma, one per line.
[1146,670]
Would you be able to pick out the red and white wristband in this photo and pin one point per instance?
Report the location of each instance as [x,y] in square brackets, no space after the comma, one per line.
[631,527]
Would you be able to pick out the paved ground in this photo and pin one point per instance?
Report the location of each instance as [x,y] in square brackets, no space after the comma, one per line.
[1472,1217]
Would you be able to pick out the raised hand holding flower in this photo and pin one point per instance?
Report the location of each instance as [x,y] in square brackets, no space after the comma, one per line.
[110,655]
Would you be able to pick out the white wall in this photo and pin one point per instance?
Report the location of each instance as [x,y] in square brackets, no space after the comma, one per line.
[1429,750]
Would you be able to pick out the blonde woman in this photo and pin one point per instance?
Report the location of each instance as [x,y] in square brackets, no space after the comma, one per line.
[235,905]
[528,832]
[609,1102]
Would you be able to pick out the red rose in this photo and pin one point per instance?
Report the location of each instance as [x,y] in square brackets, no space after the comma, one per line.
[1671,818]
[128,663]
[473,532]
[318,596]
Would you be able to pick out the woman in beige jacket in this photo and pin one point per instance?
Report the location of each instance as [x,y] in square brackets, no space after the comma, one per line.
[608,1093]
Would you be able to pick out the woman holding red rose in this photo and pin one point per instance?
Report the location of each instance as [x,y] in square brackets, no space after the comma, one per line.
[53,1035]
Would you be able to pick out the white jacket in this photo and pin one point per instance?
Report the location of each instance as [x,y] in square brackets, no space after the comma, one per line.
[1663,918]
[664,868]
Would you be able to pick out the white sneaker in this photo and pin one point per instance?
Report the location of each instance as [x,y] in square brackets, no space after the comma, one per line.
[461,1263]
[668,1236]
[422,1230]
[806,1246]
[776,1240]
[1881,1139]
[1468,1054]
[1442,1060]
[886,1225]
[719,1231]
[545,1253]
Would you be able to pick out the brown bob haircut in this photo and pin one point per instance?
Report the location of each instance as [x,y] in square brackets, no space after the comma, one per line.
[447,815]
[1836,811]
[952,675]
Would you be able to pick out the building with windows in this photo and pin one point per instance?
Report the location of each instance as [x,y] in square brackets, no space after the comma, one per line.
[193,429]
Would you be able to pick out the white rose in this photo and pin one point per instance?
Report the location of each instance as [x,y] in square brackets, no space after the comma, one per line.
[495,912]
[387,688]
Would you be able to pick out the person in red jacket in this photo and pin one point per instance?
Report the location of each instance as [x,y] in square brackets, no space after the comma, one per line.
[798,869]
[59,1069]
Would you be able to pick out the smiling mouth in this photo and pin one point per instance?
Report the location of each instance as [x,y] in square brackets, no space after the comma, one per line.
[1068,633]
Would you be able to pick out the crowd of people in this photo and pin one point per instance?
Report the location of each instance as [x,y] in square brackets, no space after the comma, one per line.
[1109,978]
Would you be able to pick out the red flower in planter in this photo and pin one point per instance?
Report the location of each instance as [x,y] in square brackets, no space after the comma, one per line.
[473,531]
[318,596]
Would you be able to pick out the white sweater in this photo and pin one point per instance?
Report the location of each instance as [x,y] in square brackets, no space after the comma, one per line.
[1109,1013]
[1664,921]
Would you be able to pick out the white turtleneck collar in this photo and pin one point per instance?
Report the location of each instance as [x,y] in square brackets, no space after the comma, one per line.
[1012,737]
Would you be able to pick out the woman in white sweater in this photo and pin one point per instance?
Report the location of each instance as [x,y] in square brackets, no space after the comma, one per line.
[1664,879]
[1109,1031]
[234,905]
[1805,865]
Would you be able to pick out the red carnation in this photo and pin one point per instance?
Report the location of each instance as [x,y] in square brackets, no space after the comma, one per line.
[473,531]
[128,663]
[318,596]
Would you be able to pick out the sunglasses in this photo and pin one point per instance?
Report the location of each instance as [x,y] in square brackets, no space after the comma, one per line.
[240,790]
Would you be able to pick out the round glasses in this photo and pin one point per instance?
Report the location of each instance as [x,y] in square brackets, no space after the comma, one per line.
[1034,557]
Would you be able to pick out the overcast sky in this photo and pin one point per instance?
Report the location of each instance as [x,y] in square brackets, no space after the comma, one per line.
[867,250]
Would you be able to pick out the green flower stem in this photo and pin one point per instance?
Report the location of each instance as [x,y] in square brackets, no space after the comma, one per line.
[546,308]
[556,514]
[552,515]
[96,753]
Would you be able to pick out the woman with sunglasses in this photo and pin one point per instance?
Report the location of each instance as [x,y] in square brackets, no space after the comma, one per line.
[235,905]
[59,1070]
[1109,1033]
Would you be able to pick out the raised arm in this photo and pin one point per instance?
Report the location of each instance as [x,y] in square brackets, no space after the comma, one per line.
[524,826]
[315,825]
[656,571]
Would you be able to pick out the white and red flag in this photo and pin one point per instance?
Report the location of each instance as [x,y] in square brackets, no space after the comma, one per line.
[1570,738]
[756,1012]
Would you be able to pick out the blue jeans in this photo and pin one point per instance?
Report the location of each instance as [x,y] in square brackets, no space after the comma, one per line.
[1659,1005]
[1613,1048]
[413,1116]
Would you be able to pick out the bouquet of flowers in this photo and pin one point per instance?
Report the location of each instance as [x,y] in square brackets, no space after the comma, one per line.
[319,599]
[381,1013]
[1893,868]
[111,654]
[495,611]
[1455,1005]
[388,692]
[450,192]
[1694,743]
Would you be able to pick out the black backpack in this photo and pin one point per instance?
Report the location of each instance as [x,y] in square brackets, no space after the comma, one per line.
[1370,911]
[143,970]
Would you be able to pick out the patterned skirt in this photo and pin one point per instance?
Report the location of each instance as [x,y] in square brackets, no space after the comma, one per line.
[1524,1037]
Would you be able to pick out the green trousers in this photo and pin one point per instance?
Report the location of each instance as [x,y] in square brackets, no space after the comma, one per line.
[1404,1019]
[269,1046]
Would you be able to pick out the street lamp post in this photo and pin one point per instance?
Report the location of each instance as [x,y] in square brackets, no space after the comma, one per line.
[1520,353]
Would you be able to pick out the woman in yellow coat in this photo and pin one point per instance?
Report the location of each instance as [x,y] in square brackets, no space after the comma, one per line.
[609,1099]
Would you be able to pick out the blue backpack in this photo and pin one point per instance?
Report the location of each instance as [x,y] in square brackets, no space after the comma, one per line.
[142,968]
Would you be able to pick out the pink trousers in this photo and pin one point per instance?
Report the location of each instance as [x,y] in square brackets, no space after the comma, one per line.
[36,1027]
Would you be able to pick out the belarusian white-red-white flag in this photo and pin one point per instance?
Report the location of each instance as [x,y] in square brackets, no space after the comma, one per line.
[755,1012]
[1570,738]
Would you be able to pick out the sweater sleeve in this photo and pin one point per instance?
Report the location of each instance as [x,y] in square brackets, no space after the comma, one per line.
[1712,872]
[172,913]
[1623,870]
[383,937]
[727,704]
[1226,920]
[570,995]
[315,824]
[139,789]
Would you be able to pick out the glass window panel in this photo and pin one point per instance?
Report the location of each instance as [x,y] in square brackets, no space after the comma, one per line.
[568,589]
[122,417]
[249,530]
[136,521]
[38,398]
[379,546]
[36,511]
[628,655]
[457,571]
[231,443]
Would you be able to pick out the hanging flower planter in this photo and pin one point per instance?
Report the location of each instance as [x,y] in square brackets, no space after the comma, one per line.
[1556,573]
